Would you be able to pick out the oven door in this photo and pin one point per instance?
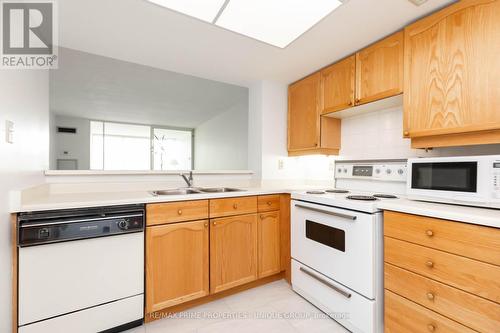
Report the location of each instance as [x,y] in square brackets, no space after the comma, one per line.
[344,245]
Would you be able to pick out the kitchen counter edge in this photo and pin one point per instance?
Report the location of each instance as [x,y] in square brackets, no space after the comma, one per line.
[472,215]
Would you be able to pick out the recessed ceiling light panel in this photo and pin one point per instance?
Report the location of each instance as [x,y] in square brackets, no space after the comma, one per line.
[205,10]
[276,22]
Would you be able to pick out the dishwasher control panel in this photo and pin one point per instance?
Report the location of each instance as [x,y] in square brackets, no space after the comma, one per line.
[51,230]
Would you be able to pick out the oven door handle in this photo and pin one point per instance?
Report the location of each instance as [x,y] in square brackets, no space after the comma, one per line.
[324,211]
[325,282]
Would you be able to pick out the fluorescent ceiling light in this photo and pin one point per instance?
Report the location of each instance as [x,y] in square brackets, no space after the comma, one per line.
[205,10]
[277,22]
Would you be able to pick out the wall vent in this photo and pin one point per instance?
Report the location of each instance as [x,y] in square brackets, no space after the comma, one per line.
[70,130]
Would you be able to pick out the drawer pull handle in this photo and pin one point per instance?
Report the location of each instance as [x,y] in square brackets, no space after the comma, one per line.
[214,223]
[429,233]
[235,206]
[269,203]
[262,216]
[206,225]
[431,328]
[324,211]
[179,212]
[429,264]
[325,282]
[430,296]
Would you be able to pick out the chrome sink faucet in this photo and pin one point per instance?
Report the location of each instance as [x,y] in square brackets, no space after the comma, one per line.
[188,180]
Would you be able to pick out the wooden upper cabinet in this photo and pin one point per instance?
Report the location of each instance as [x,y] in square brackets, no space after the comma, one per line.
[176,264]
[379,69]
[233,251]
[452,76]
[303,114]
[308,132]
[337,85]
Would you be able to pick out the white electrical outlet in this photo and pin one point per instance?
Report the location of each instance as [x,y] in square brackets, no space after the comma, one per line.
[281,164]
[9,131]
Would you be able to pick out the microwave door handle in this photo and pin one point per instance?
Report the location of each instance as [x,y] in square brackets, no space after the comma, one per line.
[326,283]
[324,211]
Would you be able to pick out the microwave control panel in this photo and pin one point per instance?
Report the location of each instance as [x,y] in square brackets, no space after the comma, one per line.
[496,176]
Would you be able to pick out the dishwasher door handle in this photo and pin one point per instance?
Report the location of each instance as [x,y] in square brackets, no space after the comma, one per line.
[324,211]
[325,282]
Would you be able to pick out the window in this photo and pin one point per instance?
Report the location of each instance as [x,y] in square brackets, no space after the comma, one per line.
[117,146]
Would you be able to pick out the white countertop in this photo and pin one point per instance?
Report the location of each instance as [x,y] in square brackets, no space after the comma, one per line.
[481,216]
[53,201]
[94,199]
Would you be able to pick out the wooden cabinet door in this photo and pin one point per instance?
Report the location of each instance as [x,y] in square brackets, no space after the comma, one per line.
[379,69]
[233,251]
[303,114]
[176,264]
[337,85]
[452,74]
[269,244]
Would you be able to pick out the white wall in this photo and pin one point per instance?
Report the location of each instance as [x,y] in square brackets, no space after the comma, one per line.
[221,143]
[379,135]
[23,100]
[268,139]
[68,145]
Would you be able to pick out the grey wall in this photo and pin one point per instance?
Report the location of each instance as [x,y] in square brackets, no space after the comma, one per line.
[221,143]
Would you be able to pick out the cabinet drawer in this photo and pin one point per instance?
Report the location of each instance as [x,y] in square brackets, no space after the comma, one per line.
[473,276]
[233,206]
[404,316]
[266,203]
[468,240]
[171,212]
[467,309]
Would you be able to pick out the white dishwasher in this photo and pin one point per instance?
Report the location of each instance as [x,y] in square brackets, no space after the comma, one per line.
[82,270]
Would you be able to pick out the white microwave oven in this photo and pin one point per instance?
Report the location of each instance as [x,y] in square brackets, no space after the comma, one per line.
[467,180]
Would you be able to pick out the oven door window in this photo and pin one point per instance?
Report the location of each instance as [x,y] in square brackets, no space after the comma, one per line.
[329,236]
[445,176]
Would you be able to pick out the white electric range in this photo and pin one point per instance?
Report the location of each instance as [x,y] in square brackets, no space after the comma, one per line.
[337,242]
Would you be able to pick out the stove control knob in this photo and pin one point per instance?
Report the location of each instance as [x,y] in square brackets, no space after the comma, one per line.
[377,171]
[400,171]
[339,170]
[388,171]
[345,170]
[123,224]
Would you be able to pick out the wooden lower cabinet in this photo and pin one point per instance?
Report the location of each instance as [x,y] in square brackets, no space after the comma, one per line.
[268,244]
[478,313]
[177,263]
[192,262]
[404,316]
[233,251]
[440,276]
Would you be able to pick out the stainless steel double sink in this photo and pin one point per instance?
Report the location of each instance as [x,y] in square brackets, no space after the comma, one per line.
[195,190]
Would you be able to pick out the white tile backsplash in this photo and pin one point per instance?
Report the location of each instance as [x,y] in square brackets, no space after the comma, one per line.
[379,135]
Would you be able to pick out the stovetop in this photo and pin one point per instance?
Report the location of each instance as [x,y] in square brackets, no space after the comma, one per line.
[354,200]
